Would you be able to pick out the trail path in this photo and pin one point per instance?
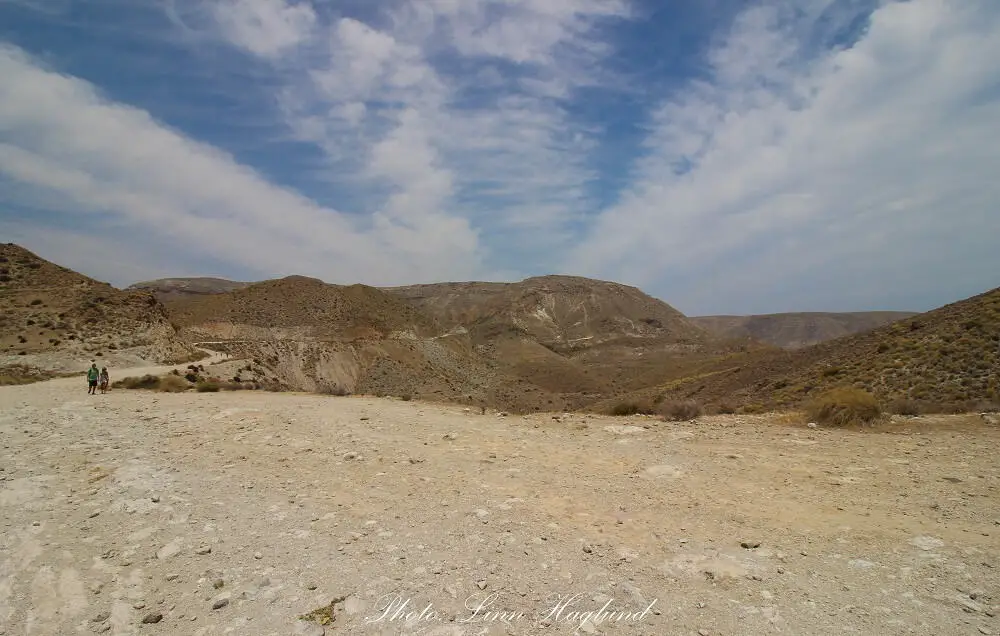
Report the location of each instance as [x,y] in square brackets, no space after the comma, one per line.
[234,513]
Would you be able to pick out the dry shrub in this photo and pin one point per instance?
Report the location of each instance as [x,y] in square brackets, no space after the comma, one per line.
[681,410]
[905,406]
[725,407]
[173,384]
[332,389]
[134,382]
[208,386]
[844,407]
[630,408]
[790,418]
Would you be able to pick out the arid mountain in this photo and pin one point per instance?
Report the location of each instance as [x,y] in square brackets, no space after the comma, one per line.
[172,288]
[945,359]
[55,318]
[573,335]
[304,307]
[304,334]
[797,330]
[565,313]
[554,342]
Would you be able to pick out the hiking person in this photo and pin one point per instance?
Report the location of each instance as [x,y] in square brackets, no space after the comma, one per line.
[92,376]
[105,380]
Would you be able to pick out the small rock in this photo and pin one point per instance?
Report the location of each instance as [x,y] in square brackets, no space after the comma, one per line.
[481,585]
[203,550]
[450,436]
[304,628]
[258,555]
[703,632]
[351,455]
[172,577]
[100,617]
[220,603]
[587,548]
[750,545]
[139,605]
[152,617]
[93,514]
[311,586]
[218,583]
[812,425]
[983,630]
[155,499]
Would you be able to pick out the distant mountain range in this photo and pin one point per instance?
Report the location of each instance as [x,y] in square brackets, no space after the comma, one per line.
[547,343]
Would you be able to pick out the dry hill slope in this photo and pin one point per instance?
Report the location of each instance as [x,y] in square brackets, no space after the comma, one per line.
[565,313]
[304,334]
[171,288]
[55,318]
[796,330]
[948,358]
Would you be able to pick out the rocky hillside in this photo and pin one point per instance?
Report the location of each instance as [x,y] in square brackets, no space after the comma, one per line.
[945,359]
[55,318]
[300,307]
[565,313]
[797,330]
[172,288]
[301,333]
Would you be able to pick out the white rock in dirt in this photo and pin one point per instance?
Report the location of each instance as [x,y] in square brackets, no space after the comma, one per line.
[171,549]
[304,628]
[926,543]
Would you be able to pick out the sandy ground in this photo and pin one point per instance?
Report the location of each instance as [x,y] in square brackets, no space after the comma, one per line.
[235,513]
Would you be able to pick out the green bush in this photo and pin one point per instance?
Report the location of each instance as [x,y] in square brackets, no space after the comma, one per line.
[208,386]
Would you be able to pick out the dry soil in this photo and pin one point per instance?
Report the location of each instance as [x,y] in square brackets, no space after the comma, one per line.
[237,513]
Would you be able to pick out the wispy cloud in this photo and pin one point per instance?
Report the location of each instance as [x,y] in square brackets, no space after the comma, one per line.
[799,149]
[787,166]
[118,164]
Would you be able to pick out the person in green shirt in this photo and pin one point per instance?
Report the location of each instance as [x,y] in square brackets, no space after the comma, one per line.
[92,376]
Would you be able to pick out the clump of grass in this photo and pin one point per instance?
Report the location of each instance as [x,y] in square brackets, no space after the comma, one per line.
[630,408]
[173,384]
[679,411]
[844,407]
[137,382]
[725,407]
[332,389]
[905,406]
[208,386]
[167,383]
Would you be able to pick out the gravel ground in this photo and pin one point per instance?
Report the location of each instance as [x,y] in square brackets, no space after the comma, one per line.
[237,513]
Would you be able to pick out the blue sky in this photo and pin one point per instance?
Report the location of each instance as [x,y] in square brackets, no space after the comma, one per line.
[726,156]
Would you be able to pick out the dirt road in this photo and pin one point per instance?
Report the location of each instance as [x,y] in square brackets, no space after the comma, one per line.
[235,513]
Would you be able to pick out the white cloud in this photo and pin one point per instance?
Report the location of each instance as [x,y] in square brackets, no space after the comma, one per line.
[267,28]
[422,138]
[784,167]
[120,166]
[794,166]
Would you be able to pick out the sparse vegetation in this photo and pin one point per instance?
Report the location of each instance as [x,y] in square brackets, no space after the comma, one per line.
[173,384]
[682,410]
[905,406]
[208,386]
[631,408]
[332,389]
[142,382]
[844,407]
